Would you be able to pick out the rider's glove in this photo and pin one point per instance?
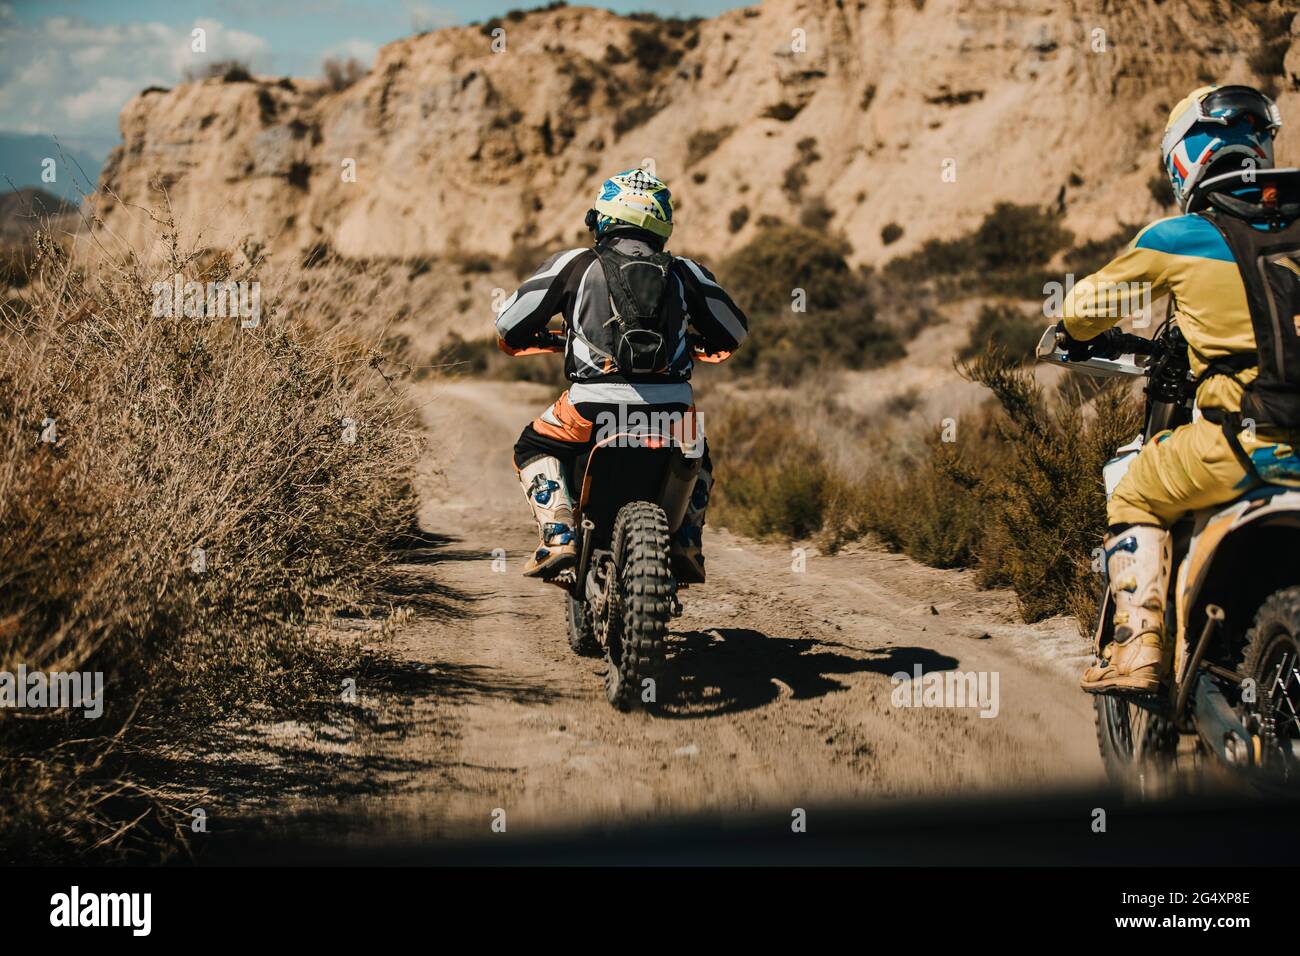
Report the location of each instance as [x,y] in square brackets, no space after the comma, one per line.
[1106,345]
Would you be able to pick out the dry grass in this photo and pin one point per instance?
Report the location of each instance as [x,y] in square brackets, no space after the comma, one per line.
[172,435]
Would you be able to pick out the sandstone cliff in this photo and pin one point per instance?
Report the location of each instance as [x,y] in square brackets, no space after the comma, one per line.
[769,111]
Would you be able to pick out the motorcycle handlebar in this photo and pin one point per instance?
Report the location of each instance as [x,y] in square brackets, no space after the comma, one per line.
[1137,344]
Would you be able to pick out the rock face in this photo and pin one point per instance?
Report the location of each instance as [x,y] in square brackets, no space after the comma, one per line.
[489,138]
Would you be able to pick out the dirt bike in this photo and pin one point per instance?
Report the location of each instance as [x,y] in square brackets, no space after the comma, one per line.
[1233,608]
[633,489]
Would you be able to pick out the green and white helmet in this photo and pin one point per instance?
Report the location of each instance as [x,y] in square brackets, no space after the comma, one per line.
[636,198]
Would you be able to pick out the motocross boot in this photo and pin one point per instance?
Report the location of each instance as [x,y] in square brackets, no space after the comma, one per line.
[686,549]
[548,496]
[1138,660]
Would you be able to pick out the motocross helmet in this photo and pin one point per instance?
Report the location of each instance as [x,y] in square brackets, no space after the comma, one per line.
[1212,123]
[636,198]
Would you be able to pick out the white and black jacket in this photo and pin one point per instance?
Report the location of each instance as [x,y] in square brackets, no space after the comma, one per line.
[572,283]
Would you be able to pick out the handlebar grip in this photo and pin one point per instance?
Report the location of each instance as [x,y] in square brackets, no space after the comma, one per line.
[1137,344]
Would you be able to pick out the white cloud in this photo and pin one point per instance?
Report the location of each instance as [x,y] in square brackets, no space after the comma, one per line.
[363,50]
[106,96]
[67,76]
[427,16]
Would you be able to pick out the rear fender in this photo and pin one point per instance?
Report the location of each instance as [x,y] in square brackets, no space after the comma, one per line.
[1238,555]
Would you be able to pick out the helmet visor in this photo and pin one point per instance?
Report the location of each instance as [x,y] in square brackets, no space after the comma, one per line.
[1225,106]
[1227,103]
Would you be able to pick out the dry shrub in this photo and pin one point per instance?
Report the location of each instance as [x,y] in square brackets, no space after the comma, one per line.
[773,479]
[704,141]
[483,358]
[927,505]
[341,73]
[1045,502]
[171,434]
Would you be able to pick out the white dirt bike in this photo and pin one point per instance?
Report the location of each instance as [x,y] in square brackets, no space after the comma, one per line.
[1233,706]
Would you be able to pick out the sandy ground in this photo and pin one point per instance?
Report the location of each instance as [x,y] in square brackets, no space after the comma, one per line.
[777,692]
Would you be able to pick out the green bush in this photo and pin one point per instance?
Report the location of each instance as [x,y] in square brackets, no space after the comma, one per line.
[783,111]
[765,271]
[1008,240]
[650,52]
[705,141]
[838,328]
[1162,191]
[1013,236]
[1005,328]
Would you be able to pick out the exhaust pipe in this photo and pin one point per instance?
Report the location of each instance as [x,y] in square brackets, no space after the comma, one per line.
[679,484]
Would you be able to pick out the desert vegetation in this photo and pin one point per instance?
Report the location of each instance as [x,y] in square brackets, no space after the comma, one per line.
[1011,490]
[186,504]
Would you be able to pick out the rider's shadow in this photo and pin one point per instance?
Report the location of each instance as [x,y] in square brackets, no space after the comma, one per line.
[725,670]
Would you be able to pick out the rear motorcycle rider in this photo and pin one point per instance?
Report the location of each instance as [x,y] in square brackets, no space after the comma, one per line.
[613,372]
[1213,131]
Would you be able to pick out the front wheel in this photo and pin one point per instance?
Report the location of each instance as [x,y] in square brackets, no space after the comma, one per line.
[643,589]
[1137,745]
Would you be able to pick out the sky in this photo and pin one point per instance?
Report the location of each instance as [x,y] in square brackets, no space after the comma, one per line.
[68,66]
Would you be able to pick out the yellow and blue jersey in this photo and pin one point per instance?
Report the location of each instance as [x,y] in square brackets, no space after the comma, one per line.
[1187,258]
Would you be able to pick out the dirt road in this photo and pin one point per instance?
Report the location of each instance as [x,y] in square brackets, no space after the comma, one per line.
[778,690]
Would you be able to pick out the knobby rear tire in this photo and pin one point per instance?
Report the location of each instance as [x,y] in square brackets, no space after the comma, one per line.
[646,588]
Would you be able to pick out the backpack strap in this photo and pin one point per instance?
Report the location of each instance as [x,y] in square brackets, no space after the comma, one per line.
[1229,365]
[1230,424]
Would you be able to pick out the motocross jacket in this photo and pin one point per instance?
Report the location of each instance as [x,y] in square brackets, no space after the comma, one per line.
[572,283]
[1187,258]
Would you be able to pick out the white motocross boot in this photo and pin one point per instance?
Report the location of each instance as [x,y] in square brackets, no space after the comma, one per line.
[1138,659]
[548,495]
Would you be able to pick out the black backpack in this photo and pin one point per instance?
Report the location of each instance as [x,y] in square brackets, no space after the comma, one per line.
[638,298]
[1269,263]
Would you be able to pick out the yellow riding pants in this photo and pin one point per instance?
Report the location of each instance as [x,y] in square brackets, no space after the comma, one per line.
[1186,469]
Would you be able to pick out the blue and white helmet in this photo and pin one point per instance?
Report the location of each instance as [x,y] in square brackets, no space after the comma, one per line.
[1213,122]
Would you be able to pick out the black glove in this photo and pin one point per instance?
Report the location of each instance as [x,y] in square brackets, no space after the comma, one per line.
[1106,345]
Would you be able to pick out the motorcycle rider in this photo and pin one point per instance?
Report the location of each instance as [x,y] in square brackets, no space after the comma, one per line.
[630,222]
[1214,130]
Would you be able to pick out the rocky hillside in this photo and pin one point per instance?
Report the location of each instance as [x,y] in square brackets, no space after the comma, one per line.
[839,111]
[23,211]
